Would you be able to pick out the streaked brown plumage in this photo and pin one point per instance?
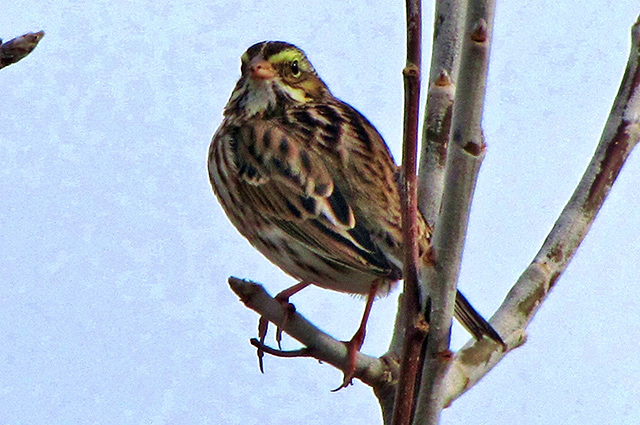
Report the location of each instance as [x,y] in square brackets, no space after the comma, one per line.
[310,182]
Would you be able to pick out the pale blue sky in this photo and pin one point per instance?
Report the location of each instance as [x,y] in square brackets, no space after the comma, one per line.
[114,253]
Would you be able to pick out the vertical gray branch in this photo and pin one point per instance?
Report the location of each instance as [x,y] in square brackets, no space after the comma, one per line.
[445,62]
[435,138]
[464,156]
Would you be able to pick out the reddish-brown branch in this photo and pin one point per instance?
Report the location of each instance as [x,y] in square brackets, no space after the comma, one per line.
[414,337]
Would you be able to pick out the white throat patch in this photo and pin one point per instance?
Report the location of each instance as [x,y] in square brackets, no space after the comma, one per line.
[260,96]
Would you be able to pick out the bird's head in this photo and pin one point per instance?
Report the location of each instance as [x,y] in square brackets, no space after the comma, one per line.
[275,76]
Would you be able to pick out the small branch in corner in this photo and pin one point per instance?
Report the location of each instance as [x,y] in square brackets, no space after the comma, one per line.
[18,48]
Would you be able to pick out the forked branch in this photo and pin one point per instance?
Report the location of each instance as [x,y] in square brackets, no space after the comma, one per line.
[441,385]
[619,137]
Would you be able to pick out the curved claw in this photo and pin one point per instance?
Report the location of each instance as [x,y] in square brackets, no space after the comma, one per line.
[289,310]
[263,326]
[353,347]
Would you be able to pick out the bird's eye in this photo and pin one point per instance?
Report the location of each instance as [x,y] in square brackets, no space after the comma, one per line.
[295,69]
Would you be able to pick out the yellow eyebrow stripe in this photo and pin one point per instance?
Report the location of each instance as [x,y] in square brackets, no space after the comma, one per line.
[285,56]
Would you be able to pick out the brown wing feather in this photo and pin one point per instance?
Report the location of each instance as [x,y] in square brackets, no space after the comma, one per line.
[362,168]
[293,185]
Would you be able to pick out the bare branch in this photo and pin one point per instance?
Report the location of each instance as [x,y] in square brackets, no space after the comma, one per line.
[464,156]
[411,74]
[319,345]
[447,37]
[414,337]
[445,376]
[435,138]
[619,137]
[15,50]
[445,62]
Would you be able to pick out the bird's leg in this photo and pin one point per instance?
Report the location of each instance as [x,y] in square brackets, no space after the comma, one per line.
[289,309]
[354,345]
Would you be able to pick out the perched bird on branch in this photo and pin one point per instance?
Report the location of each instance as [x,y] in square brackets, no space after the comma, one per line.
[312,185]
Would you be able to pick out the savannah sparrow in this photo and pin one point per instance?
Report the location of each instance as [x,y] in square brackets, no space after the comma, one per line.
[311,184]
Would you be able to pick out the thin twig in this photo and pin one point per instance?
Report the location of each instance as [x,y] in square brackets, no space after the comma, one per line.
[464,156]
[414,336]
[620,135]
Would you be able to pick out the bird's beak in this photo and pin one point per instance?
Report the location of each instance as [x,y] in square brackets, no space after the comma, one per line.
[260,69]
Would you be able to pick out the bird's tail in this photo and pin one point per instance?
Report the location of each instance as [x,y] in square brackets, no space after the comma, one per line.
[473,322]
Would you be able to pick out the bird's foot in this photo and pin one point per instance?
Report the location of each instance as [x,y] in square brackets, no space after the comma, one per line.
[288,311]
[353,348]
